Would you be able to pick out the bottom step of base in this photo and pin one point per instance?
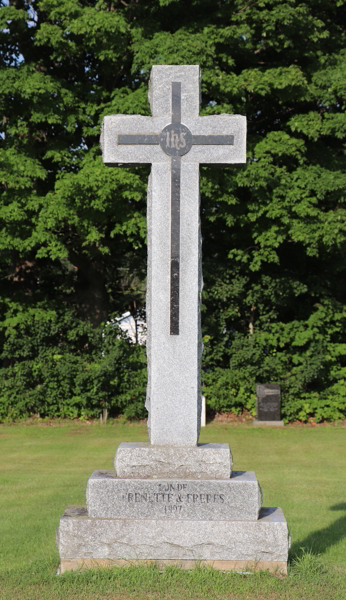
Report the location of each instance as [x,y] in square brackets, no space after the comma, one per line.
[225,545]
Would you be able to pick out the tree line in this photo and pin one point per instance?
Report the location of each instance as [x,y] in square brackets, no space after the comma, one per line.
[73,233]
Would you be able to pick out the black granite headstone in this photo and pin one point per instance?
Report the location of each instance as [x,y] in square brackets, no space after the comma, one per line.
[268,402]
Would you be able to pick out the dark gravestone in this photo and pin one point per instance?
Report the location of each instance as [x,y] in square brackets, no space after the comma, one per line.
[268,402]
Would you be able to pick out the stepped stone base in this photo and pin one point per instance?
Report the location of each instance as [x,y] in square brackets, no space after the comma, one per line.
[225,544]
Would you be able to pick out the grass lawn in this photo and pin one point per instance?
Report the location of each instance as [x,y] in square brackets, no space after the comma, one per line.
[43,468]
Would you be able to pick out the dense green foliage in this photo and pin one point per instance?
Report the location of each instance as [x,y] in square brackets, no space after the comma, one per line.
[73,232]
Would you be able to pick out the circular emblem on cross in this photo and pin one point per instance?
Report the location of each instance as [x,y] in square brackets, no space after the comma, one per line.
[176,139]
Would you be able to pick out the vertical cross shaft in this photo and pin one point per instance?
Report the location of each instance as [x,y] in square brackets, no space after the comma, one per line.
[175,244]
[175,217]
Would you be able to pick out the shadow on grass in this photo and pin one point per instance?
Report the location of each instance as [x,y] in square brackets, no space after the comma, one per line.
[320,540]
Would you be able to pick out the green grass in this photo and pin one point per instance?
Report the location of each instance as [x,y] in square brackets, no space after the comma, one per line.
[44,468]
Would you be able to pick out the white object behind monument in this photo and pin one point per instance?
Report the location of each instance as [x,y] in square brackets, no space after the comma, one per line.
[136,329]
[204,413]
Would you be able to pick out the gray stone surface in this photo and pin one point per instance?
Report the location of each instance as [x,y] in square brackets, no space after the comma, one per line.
[161,77]
[238,498]
[216,124]
[257,423]
[114,154]
[142,460]
[82,537]
[173,396]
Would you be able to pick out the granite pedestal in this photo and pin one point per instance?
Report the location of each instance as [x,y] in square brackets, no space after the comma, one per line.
[215,522]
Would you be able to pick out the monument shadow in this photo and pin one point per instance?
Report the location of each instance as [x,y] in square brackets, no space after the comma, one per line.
[320,540]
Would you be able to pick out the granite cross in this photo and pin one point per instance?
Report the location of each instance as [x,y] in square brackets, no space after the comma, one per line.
[175,140]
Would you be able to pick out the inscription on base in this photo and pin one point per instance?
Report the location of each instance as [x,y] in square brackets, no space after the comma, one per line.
[173,497]
[113,497]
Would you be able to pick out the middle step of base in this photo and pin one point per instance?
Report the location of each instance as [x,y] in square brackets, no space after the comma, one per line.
[110,497]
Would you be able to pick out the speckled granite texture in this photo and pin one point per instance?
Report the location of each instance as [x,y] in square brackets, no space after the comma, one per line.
[174,395]
[162,539]
[205,461]
[110,497]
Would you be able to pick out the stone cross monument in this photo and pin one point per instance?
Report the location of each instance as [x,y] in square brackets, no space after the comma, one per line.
[172,500]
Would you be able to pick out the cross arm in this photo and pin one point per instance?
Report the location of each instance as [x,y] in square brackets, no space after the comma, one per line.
[218,139]
[117,132]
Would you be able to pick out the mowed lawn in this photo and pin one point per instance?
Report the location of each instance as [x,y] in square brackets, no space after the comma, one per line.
[45,467]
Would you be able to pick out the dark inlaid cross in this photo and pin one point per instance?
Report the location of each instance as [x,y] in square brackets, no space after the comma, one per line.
[175,140]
